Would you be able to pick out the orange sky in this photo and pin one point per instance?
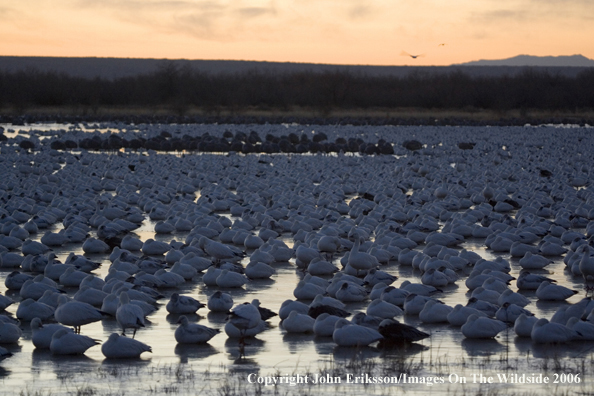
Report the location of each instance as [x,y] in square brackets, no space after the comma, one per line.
[374,32]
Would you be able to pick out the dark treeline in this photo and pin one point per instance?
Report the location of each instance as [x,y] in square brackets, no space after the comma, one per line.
[181,88]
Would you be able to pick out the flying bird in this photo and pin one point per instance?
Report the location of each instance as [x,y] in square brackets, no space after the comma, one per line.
[404,53]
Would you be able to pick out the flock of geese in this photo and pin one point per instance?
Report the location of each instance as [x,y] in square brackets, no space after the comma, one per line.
[352,221]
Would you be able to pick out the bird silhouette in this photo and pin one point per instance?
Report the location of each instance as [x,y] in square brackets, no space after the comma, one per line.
[404,53]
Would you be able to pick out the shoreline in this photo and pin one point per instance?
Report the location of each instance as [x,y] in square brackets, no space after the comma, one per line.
[264,115]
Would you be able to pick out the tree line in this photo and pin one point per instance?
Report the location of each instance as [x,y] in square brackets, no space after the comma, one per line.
[181,88]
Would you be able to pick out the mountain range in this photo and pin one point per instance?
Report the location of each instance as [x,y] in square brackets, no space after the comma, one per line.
[537,61]
[114,68]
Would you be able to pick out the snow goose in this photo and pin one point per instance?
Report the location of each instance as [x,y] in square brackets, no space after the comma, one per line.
[196,261]
[193,333]
[93,282]
[219,251]
[324,325]
[298,323]
[551,249]
[396,332]
[50,298]
[186,271]
[121,347]
[352,335]
[42,334]
[179,304]
[383,309]
[509,313]
[524,324]
[481,327]
[483,306]
[220,302]
[550,292]
[508,296]
[34,290]
[5,302]
[265,313]
[350,292]
[394,295]
[319,266]
[460,314]
[131,243]
[129,316]
[534,261]
[290,305]
[435,278]
[584,328]
[151,247]
[307,290]
[375,276]
[482,294]
[414,303]
[81,262]
[528,281]
[4,353]
[30,309]
[169,279]
[91,296]
[9,333]
[245,317]
[10,260]
[361,261]
[377,290]
[67,343]
[544,332]
[93,245]
[329,244]
[210,276]
[71,277]
[419,288]
[76,313]
[230,279]
[322,304]
[259,270]
[435,312]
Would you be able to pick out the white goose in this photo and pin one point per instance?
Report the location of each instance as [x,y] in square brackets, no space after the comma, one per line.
[544,332]
[481,327]
[361,261]
[179,304]
[42,334]
[121,347]
[298,323]
[67,343]
[220,302]
[351,335]
[192,333]
[129,316]
[550,292]
[76,313]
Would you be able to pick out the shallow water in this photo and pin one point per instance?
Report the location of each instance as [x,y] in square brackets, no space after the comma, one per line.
[172,368]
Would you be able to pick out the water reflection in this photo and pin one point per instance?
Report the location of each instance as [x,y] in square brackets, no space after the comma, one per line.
[173,319]
[187,352]
[355,353]
[297,342]
[477,347]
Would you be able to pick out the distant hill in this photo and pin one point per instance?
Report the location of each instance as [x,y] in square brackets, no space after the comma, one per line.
[114,68]
[539,61]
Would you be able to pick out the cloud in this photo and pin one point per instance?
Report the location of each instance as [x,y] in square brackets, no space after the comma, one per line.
[217,20]
[253,12]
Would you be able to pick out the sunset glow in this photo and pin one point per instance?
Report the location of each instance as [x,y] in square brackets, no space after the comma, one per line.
[322,31]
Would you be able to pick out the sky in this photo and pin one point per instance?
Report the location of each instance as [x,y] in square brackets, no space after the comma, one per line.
[360,32]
